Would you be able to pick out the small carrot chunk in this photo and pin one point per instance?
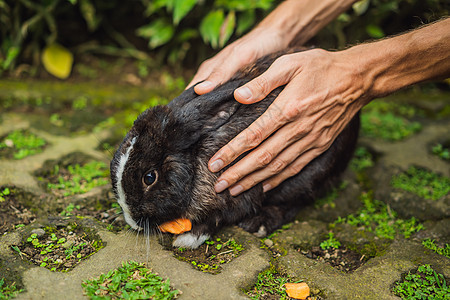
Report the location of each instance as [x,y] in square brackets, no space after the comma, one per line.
[297,290]
[177,226]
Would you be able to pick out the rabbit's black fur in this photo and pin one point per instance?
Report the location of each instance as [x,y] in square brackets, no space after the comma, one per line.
[178,139]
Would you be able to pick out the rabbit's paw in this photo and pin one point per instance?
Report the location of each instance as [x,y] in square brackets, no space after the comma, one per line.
[189,240]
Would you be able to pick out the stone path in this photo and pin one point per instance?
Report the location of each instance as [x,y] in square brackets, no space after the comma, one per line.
[385,259]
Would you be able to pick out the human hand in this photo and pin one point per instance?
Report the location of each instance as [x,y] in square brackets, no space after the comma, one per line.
[226,63]
[324,90]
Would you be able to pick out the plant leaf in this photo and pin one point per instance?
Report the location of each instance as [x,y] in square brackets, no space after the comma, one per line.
[88,11]
[57,60]
[181,9]
[245,20]
[210,27]
[374,31]
[361,7]
[158,32]
[227,28]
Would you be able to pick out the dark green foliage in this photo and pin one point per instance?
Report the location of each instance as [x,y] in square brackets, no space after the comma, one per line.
[423,284]
[174,27]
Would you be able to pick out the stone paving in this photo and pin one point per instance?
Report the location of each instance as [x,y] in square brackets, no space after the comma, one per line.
[385,260]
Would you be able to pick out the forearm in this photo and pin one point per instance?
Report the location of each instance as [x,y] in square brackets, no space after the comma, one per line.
[392,64]
[301,20]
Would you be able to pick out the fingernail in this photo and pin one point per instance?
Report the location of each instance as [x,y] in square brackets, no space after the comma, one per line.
[221,186]
[236,190]
[266,187]
[244,92]
[216,165]
[204,85]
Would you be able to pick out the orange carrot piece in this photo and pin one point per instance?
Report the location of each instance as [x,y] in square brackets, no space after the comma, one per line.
[177,226]
[297,290]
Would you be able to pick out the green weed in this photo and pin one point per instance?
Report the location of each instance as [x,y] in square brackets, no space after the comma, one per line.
[82,178]
[270,285]
[67,212]
[378,218]
[441,151]
[131,281]
[424,284]
[5,192]
[8,291]
[423,183]
[430,244]
[23,143]
[331,242]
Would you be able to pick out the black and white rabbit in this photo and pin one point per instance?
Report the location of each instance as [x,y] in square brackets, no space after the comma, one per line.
[160,174]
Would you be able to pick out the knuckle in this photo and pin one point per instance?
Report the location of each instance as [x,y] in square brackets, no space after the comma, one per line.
[232,176]
[277,165]
[254,137]
[283,61]
[264,157]
[262,85]
[294,170]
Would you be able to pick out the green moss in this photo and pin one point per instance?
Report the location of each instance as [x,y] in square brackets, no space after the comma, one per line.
[362,159]
[22,144]
[270,285]
[378,218]
[425,283]
[388,121]
[81,179]
[423,183]
[8,291]
[430,244]
[131,281]
[387,126]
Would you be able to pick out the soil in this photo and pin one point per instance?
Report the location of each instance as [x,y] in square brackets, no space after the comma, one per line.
[59,249]
[211,255]
[104,208]
[13,213]
[343,259]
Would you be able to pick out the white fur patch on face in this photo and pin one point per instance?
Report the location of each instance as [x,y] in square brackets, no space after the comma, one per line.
[189,240]
[120,192]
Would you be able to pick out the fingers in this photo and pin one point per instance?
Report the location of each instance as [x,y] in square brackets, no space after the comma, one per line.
[248,139]
[278,74]
[264,161]
[286,162]
[293,169]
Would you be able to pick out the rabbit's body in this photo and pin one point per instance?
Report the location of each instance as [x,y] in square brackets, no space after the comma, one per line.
[169,147]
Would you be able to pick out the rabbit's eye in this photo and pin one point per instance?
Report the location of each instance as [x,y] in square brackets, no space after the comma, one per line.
[150,178]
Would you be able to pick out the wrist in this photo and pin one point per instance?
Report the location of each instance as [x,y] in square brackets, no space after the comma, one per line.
[394,63]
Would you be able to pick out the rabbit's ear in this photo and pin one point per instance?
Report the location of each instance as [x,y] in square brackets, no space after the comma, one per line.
[198,115]
[209,111]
